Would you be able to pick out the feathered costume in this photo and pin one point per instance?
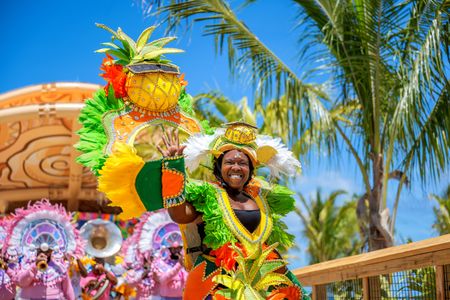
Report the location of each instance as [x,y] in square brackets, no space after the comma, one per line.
[7,286]
[32,227]
[149,244]
[220,248]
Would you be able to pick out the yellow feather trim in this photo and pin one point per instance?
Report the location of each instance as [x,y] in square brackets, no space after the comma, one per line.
[117,180]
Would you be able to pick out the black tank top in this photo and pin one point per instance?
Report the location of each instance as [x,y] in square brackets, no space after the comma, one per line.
[250,219]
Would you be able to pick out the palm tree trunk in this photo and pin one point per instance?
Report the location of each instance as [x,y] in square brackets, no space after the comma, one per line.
[379,235]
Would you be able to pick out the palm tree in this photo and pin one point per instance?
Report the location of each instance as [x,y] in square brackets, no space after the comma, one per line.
[442,213]
[331,230]
[388,61]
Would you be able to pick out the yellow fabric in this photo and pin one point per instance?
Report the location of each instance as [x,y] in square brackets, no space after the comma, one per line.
[251,241]
[126,291]
[117,180]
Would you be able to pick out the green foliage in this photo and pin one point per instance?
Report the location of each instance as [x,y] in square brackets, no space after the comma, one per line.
[442,212]
[131,52]
[331,230]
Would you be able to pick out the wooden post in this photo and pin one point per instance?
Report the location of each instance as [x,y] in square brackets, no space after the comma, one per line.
[440,288]
[446,281]
[319,292]
[374,287]
[366,289]
[314,292]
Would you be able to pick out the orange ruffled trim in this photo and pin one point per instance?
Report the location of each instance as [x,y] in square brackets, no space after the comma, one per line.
[286,293]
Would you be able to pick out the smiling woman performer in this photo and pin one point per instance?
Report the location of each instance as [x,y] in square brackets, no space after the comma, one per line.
[237,216]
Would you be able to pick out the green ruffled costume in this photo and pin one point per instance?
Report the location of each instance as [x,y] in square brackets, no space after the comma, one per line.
[206,198]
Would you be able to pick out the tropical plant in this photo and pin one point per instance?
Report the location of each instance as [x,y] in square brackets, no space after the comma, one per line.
[442,212]
[331,230]
[387,59]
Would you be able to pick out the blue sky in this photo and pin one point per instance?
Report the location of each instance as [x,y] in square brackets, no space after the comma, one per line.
[52,41]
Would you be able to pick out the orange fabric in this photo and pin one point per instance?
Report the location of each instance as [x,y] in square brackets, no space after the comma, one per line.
[272,255]
[198,286]
[225,256]
[172,183]
[286,293]
[253,188]
[219,297]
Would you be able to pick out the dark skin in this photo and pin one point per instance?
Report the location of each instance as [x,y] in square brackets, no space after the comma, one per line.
[99,269]
[43,256]
[147,265]
[235,171]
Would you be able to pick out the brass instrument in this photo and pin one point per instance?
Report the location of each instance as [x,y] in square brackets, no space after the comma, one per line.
[42,265]
[103,238]
[3,264]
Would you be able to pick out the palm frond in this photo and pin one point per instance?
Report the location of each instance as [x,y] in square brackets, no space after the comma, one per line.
[270,76]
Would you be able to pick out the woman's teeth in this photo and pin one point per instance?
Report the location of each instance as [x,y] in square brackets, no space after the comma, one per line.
[235,176]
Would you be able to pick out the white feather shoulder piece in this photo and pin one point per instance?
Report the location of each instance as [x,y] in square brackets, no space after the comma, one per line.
[198,150]
[283,162]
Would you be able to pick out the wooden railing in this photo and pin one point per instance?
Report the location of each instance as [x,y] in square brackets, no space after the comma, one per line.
[371,270]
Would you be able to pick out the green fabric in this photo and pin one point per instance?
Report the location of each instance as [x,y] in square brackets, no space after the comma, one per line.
[204,198]
[280,235]
[92,135]
[148,185]
[280,199]
[210,266]
[177,164]
[148,181]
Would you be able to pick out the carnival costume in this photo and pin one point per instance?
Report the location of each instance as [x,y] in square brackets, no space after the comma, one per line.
[7,286]
[154,235]
[44,227]
[103,239]
[226,260]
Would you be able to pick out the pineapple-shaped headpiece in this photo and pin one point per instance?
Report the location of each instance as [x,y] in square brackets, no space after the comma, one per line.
[152,82]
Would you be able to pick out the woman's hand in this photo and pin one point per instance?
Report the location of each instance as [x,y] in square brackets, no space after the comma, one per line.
[172,142]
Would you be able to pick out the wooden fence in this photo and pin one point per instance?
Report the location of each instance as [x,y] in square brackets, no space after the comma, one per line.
[419,270]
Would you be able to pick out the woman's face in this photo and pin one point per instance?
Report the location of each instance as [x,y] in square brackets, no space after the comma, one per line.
[235,169]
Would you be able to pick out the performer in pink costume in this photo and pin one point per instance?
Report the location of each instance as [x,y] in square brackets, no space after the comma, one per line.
[172,277]
[157,239]
[43,235]
[7,286]
[51,281]
[144,280]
